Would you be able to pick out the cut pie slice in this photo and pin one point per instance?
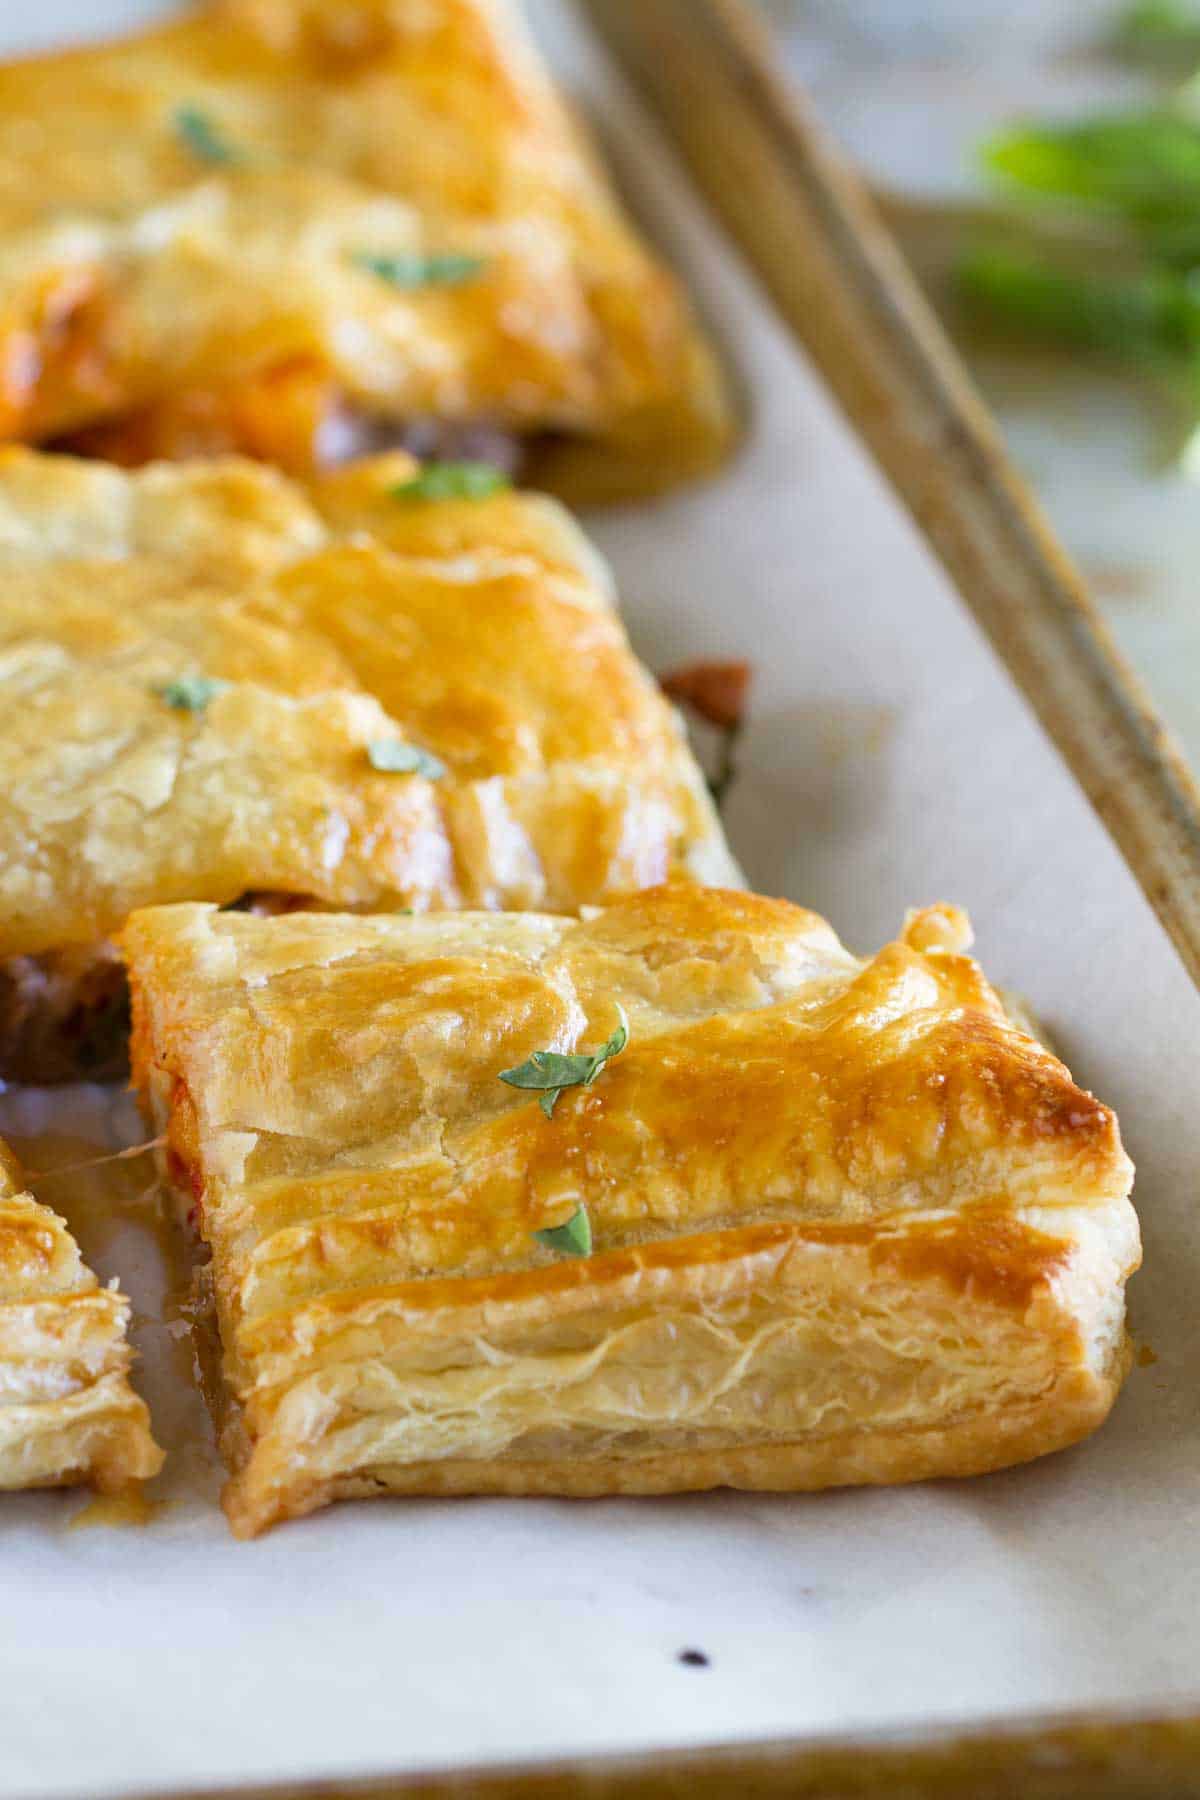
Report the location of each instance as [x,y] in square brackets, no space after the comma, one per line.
[306,229]
[676,1196]
[218,685]
[67,1411]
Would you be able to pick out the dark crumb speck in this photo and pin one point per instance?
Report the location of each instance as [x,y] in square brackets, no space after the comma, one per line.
[693,1659]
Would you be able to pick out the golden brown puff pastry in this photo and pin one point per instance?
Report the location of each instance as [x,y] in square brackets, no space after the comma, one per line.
[296,228]
[330,622]
[515,532]
[849,1224]
[67,1411]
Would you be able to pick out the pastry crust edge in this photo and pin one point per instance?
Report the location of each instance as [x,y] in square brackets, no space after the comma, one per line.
[979,1443]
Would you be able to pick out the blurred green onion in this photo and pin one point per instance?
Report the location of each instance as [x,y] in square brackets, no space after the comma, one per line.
[1159,32]
[1143,167]
[1118,270]
[1153,314]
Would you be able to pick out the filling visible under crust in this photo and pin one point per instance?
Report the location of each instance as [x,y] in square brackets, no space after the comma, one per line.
[294,417]
[170,1108]
[64,1015]
[346,434]
[55,355]
[272,906]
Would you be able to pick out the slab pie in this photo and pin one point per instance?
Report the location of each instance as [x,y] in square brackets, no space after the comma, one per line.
[819,1221]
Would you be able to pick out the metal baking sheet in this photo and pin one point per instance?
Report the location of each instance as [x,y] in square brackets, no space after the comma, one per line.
[890,762]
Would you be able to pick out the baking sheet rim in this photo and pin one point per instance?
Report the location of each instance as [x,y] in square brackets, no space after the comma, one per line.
[1134,1755]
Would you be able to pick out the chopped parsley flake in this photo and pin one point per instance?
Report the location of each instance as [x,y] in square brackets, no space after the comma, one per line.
[552,1071]
[453,481]
[190,693]
[203,137]
[572,1239]
[415,269]
[392,757]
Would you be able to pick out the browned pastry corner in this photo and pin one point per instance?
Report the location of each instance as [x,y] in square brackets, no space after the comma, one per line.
[306,229]
[69,1414]
[203,667]
[818,1221]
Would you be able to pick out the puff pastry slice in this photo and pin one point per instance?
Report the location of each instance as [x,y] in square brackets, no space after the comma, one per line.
[848,1223]
[67,1411]
[200,665]
[302,229]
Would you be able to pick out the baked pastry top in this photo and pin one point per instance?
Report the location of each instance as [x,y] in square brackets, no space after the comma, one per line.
[203,666]
[295,227]
[67,1411]
[846,1222]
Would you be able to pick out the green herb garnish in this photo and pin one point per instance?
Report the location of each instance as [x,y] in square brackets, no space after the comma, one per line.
[552,1071]
[392,757]
[415,269]
[572,1239]
[190,693]
[453,481]
[203,137]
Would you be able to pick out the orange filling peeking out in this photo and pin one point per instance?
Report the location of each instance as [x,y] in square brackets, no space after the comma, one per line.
[275,416]
[55,365]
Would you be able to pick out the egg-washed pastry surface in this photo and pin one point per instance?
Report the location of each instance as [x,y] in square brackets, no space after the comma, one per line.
[302,229]
[818,1221]
[67,1411]
[217,685]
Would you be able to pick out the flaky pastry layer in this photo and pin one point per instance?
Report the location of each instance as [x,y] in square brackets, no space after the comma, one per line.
[286,227]
[322,622]
[67,1411]
[849,1223]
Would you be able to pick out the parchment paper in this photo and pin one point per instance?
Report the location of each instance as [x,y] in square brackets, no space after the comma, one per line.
[890,762]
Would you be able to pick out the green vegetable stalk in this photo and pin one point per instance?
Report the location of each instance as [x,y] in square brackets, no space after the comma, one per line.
[1128,281]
